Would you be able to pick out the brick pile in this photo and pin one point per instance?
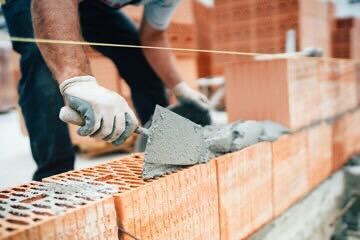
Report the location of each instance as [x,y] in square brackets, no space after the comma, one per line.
[346,38]
[260,26]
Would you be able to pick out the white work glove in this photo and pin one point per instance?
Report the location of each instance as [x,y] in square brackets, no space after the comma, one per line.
[102,114]
[184,93]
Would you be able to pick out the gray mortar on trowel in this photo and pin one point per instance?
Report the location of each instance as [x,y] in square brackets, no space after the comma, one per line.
[218,140]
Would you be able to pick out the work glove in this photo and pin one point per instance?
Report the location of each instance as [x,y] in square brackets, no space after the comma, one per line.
[184,93]
[101,113]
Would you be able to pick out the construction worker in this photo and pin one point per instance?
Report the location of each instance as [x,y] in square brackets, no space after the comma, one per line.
[51,72]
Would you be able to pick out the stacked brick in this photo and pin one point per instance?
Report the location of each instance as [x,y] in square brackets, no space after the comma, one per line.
[345,38]
[295,92]
[229,198]
[205,17]
[260,26]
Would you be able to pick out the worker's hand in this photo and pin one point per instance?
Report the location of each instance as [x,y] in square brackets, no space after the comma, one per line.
[105,114]
[184,93]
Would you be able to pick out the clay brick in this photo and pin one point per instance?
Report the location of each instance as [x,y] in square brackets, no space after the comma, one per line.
[281,90]
[348,95]
[290,163]
[319,153]
[341,142]
[182,205]
[329,80]
[33,211]
[354,132]
[245,190]
[304,16]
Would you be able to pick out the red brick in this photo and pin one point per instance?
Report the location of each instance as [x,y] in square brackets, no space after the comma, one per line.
[319,153]
[329,80]
[30,212]
[290,164]
[245,190]
[282,90]
[182,205]
[340,141]
[354,132]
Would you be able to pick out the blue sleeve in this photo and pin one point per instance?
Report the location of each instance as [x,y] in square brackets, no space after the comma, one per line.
[158,12]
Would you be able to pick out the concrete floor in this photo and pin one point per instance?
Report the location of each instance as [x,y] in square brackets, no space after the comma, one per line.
[16,162]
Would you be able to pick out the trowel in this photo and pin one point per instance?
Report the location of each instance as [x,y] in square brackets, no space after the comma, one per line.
[172,141]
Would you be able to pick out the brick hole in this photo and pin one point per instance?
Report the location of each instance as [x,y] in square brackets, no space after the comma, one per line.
[60,198]
[36,219]
[1,216]
[42,213]
[90,175]
[63,205]
[2,209]
[104,178]
[10,229]
[19,189]
[19,207]
[16,221]
[95,183]
[74,175]
[117,183]
[57,192]
[37,205]
[2,196]
[84,198]
[5,191]
[12,199]
[19,195]
[123,189]
[19,214]
[35,198]
[74,179]
[104,171]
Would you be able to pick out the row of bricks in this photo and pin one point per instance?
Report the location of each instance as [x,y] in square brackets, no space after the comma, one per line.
[228,198]
[295,92]
[237,28]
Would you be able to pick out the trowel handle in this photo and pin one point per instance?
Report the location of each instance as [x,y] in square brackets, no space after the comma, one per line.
[142,131]
[69,115]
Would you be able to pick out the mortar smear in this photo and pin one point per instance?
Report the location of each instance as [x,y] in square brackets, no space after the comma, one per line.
[218,140]
[174,140]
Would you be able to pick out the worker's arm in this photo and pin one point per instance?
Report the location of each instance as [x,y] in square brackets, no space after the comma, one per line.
[152,33]
[105,114]
[59,20]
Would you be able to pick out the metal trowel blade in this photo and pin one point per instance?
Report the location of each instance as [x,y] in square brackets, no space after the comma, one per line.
[174,140]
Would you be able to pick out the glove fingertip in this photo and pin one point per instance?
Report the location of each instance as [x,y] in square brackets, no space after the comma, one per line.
[83,131]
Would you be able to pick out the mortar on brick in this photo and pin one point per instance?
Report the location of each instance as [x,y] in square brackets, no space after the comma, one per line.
[200,145]
[33,207]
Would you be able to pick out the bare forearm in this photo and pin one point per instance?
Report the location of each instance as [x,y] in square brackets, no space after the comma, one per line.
[162,61]
[50,22]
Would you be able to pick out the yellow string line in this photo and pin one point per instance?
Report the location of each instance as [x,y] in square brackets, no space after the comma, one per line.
[85,43]
[51,41]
